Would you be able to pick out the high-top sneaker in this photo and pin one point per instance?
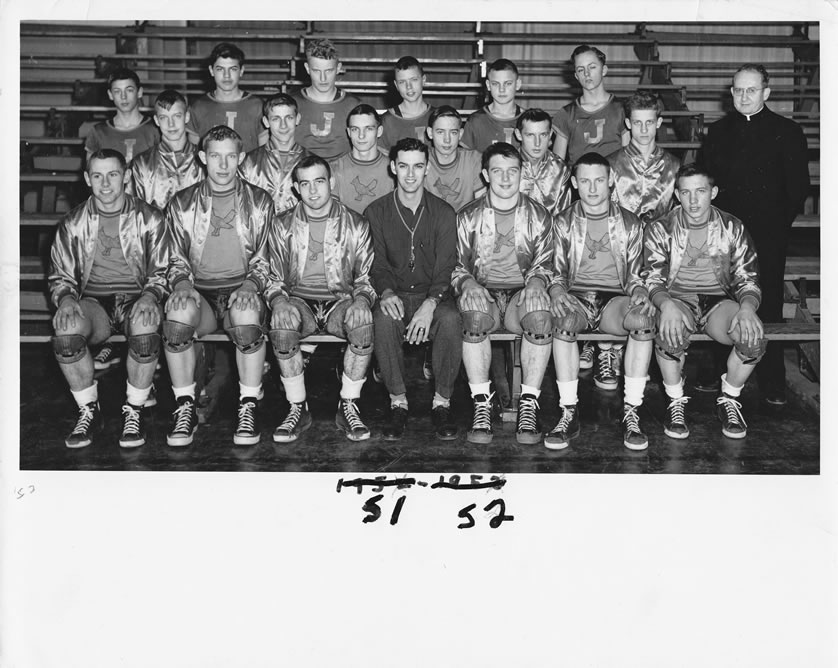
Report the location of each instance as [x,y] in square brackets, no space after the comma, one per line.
[605,376]
[89,420]
[633,436]
[348,420]
[529,428]
[247,431]
[586,357]
[184,422]
[133,430]
[566,428]
[729,411]
[675,424]
[481,426]
[296,422]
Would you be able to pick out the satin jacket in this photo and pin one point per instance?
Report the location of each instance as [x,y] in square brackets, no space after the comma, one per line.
[549,184]
[625,233]
[732,253]
[644,188]
[476,233]
[158,173]
[188,221]
[347,253]
[142,236]
[271,170]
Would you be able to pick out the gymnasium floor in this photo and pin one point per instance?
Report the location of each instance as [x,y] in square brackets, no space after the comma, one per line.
[779,441]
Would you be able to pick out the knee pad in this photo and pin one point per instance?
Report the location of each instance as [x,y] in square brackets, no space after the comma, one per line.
[538,327]
[360,339]
[640,327]
[750,354]
[247,338]
[569,325]
[476,326]
[177,336]
[671,352]
[285,342]
[69,348]
[144,348]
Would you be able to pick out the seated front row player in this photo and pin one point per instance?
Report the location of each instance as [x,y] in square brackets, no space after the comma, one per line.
[501,276]
[702,273]
[597,283]
[218,268]
[321,255]
[108,272]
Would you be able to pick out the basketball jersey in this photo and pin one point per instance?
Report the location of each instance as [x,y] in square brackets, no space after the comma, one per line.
[243,115]
[322,128]
[504,270]
[128,142]
[695,275]
[455,183]
[110,272]
[359,182]
[313,283]
[398,127]
[221,262]
[600,131]
[483,129]
[597,270]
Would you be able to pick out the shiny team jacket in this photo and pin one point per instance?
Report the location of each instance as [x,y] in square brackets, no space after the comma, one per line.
[271,170]
[142,236]
[549,184]
[476,233]
[188,220]
[347,253]
[625,233]
[158,173]
[732,253]
[645,189]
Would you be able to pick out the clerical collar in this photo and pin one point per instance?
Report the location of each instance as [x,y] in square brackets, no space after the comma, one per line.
[748,117]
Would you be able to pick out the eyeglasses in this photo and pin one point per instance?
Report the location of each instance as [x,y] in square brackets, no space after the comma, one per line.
[748,91]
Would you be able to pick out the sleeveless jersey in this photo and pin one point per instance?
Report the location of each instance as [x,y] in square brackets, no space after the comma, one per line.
[244,116]
[455,183]
[600,131]
[128,142]
[357,182]
[398,127]
[483,129]
[322,128]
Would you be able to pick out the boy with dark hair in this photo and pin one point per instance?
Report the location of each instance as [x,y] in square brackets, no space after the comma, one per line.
[410,117]
[128,132]
[496,121]
[453,171]
[270,166]
[323,107]
[362,175]
[544,176]
[227,104]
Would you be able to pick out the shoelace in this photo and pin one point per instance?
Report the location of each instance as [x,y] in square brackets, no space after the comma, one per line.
[483,414]
[568,414]
[587,353]
[290,422]
[85,418]
[352,415]
[183,419]
[527,415]
[607,362]
[676,410]
[247,421]
[104,354]
[733,410]
[631,419]
[132,420]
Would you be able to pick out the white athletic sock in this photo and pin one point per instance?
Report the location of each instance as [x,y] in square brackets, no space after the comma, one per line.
[633,391]
[567,392]
[439,400]
[308,347]
[185,391]
[398,400]
[604,345]
[252,392]
[295,388]
[350,389]
[675,391]
[529,389]
[729,389]
[135,396]
[480,388]
[88,395]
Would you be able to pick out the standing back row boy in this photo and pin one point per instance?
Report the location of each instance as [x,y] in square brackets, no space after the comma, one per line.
[410,117]
[496,121]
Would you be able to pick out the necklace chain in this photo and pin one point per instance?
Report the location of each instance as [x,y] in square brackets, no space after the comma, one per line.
[411,261]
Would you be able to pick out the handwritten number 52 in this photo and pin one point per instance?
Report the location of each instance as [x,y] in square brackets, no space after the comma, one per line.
[495,522]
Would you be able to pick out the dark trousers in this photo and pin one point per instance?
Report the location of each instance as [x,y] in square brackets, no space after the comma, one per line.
[771,251]
[447,347]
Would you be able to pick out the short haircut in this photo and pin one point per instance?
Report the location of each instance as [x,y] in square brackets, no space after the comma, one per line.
[693,169]
[502,149]
[227,50]
[754,67]
[445,111]
[169,97]
[321,48]
[643,100]
[406,63]
[585,48]
[363,110]
[309,161]
[533,116]
[104,154]
[278,100]
[121,74]
[408,144]
[501,65]
[591,158]
[221,133]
